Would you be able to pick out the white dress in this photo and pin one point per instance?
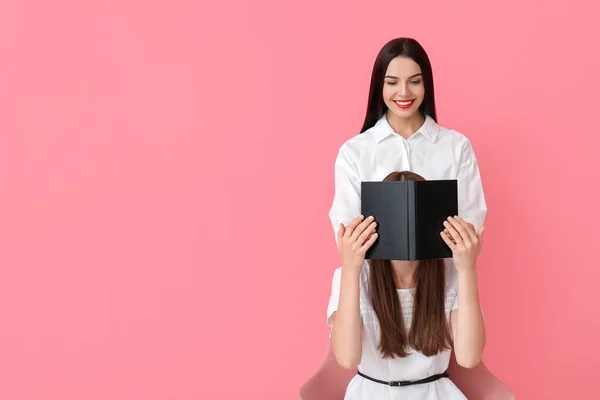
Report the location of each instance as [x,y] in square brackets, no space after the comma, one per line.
[415,366]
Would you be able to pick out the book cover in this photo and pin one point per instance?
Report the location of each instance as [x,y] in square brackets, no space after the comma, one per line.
[410,217]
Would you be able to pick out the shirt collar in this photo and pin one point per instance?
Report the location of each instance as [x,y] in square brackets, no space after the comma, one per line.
[382,129]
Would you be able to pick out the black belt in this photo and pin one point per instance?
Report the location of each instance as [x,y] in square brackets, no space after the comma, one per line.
[406,383]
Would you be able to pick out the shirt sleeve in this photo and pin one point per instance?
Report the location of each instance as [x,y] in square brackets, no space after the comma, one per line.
[471,199]
[452,281]
[335,295]
[452,285]
[346,199]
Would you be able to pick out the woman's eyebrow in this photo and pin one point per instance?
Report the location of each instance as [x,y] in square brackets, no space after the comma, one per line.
[410,77]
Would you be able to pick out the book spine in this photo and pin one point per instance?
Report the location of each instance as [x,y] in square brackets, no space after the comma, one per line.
[412,223]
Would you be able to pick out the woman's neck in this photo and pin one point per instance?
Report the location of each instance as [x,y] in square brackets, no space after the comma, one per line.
[404,272]
[405,127]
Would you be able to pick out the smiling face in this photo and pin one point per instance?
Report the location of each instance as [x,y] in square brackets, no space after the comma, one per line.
[403,87]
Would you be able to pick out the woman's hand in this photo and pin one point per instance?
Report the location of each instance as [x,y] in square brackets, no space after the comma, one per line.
[448,233]
[464,242]
[354,240]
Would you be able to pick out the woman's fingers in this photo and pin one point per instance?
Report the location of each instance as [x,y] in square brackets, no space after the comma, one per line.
[447,232]
[361,228]
[368,243]
[367,233]
[341,232]
[448,241]
[480,234]
[453,231]
[352,226]
[469,228]
[464,236]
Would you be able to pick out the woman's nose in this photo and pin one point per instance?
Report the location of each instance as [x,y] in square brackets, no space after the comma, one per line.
[403,91]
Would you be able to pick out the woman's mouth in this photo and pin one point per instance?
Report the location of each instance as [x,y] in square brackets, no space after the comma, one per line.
[404,104]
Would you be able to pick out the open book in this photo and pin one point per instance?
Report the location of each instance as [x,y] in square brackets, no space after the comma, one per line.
[410,217]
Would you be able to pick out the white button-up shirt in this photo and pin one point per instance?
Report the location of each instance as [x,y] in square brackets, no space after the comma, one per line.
[433,152]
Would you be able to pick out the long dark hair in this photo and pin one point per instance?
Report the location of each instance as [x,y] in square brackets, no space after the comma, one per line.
[400,47]
[429,331]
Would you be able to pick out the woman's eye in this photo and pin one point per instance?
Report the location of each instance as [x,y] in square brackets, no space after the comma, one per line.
[391,83]
[415,82]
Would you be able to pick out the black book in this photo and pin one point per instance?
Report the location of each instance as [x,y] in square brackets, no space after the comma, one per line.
[410,216]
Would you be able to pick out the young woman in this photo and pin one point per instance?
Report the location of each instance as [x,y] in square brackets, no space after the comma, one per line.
[400,133]
[398,321]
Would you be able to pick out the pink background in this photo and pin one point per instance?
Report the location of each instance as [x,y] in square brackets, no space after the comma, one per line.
[166,169]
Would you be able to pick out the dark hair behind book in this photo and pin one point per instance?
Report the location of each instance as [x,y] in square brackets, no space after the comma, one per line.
[429,332]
